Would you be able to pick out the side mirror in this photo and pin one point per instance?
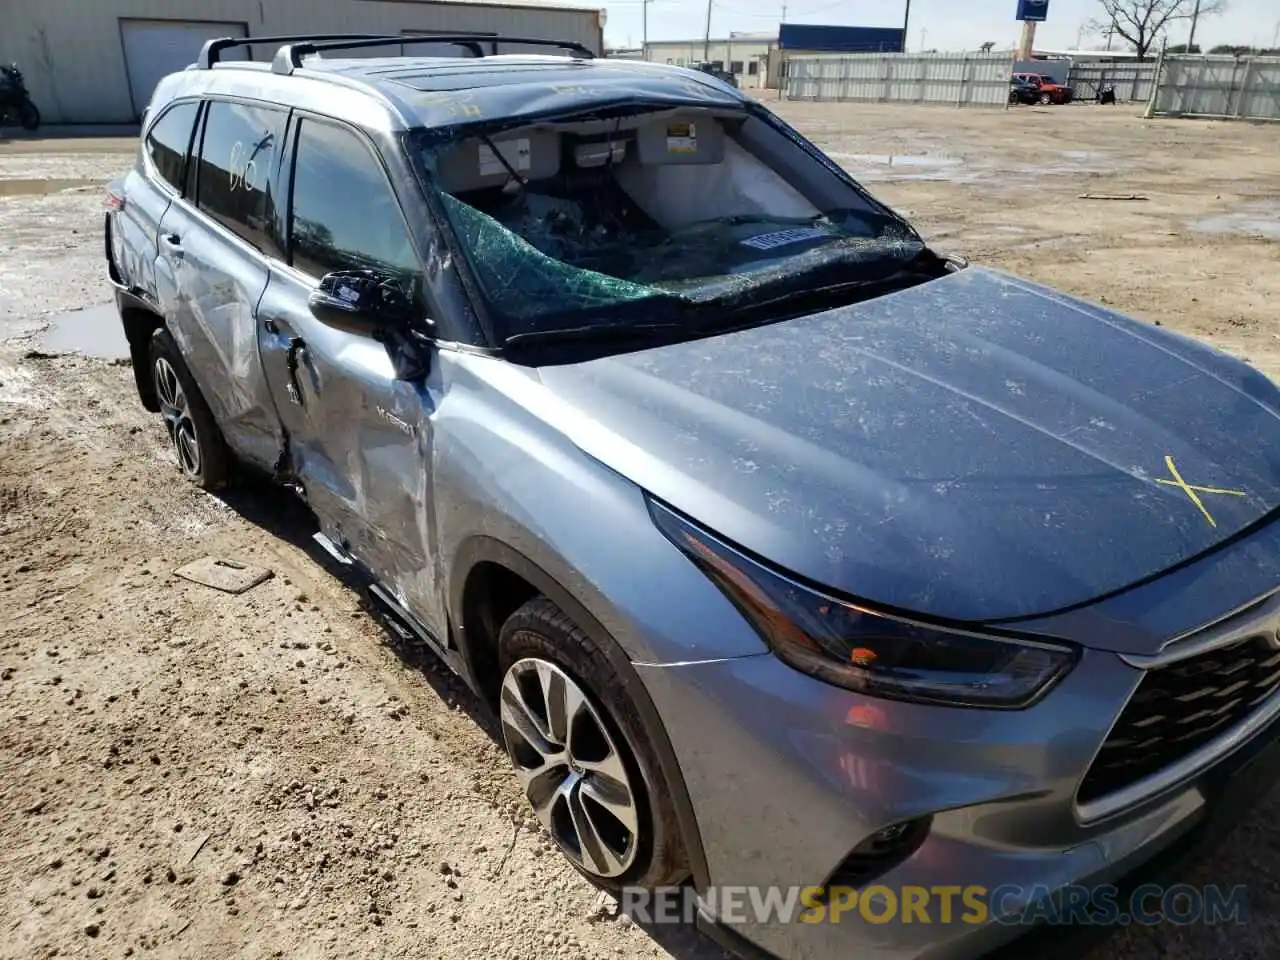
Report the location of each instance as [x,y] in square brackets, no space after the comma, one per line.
[363,302]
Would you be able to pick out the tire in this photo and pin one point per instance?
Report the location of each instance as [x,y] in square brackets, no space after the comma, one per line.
[1045,99]
[197,442]
[546,658]
[29,115]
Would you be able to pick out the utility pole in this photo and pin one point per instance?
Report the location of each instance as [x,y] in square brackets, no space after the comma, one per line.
[644,6]
[1195,16]
[1027,46]
[706,45]
[906,26]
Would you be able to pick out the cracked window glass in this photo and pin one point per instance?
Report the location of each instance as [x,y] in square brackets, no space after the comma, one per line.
[581,223]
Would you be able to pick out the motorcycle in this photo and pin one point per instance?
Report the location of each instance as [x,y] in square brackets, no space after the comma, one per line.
[15,102]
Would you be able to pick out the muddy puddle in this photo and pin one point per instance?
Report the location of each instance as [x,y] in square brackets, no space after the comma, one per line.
[1249,219]
[92,332]
[26,187]
[949,168]
[880,167]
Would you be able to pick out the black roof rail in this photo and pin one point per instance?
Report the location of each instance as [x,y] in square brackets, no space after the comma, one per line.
[289,57]
[211,52]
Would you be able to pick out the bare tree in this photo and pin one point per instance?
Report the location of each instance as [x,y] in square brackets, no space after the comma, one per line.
[1141,22]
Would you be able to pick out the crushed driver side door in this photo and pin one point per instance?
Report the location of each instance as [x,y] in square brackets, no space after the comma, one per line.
[358,438]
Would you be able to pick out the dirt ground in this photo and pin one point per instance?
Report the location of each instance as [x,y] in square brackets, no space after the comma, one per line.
[194,774]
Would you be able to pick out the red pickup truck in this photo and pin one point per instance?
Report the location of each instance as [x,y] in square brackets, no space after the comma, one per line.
[1050,90]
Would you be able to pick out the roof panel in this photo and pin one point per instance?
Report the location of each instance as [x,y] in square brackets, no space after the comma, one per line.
[469,91]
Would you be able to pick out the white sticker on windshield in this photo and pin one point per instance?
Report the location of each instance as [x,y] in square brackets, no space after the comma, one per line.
[515,152]
[784,238]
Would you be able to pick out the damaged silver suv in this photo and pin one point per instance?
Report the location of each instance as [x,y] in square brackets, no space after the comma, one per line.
[792,554]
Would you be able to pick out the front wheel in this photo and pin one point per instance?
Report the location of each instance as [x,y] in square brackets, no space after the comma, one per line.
[194,434]
[582,755]
[1046,99]
[29,115]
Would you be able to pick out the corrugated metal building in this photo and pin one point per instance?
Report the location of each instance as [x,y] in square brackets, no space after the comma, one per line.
[97,61]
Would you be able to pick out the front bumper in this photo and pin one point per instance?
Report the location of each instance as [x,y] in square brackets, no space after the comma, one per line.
[1230,791]
[788,775]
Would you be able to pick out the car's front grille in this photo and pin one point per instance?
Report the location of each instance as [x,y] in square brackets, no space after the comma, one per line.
[1179,708]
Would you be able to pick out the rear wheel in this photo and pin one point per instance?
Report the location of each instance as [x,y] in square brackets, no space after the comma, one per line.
[29,115]
[581,754]
[197,441]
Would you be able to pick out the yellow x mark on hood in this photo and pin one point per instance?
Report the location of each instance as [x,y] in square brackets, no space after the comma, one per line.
[1194,492]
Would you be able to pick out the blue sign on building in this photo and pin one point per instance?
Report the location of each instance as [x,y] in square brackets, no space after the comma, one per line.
[1033,10]
[801,36]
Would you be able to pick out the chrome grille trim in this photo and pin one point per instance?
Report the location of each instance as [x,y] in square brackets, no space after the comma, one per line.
[1255,618]
[1256,625]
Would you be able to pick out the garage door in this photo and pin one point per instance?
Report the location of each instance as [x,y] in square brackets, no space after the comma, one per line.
[155,48]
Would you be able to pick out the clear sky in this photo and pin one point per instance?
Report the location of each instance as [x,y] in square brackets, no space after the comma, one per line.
[951,24]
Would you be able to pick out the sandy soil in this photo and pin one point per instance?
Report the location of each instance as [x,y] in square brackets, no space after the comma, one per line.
[189,773]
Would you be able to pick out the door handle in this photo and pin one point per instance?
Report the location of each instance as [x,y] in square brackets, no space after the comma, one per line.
[292,387]
[172,243]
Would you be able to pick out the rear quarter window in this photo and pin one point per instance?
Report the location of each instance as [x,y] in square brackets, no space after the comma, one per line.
[169,140]
[237,162]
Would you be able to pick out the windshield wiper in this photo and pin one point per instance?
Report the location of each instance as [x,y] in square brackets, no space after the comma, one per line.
[798,278]
[596,333]
[719,316]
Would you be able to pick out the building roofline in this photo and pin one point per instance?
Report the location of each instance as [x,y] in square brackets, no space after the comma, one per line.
[509,4]
[1105,54]
[771,38]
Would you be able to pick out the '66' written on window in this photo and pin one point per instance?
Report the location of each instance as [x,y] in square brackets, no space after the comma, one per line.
[237,156]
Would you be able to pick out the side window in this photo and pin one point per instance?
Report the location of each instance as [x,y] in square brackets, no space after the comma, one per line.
[168,142]
[237,157]
[345,216]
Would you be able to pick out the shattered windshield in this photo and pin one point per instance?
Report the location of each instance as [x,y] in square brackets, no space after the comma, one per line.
[662,216]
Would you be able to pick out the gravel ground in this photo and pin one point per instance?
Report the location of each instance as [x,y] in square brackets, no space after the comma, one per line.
[190,773]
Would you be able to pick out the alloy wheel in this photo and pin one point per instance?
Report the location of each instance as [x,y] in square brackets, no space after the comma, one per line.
[176,411]
[570,767]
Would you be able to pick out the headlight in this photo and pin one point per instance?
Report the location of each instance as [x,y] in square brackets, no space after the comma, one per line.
[873,653]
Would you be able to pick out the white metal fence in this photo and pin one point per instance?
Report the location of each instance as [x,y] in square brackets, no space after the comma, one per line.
[1131,81]
[954,79]
[1185,86]
[1246,89]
